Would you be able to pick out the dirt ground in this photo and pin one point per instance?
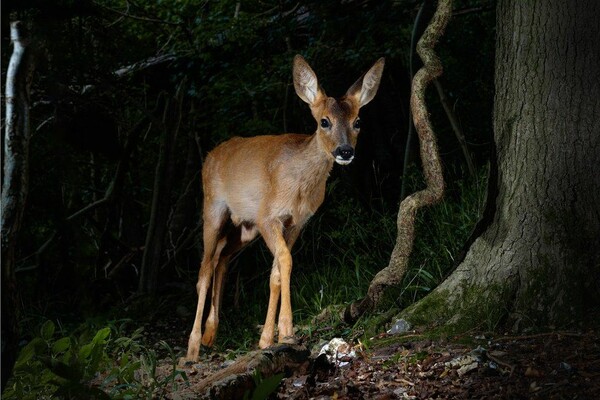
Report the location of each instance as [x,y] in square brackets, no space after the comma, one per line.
[552,365]
[560,365]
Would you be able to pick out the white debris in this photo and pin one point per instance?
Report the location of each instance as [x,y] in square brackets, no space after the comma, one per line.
[338,352]
[464,364]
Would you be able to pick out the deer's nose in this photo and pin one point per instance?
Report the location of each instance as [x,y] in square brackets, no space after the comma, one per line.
[344,154]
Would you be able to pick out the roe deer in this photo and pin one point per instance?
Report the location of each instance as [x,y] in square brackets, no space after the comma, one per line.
[272,185]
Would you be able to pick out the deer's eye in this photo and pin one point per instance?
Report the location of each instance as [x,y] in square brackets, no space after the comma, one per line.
[325,123]
[357,124]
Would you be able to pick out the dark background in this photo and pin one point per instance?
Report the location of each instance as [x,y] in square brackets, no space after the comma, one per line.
[134,94]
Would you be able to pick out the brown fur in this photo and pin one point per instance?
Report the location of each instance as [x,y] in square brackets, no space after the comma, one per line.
[271,185]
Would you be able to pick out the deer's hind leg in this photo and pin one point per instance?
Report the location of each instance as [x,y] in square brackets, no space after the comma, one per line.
[215,218]
[237,238]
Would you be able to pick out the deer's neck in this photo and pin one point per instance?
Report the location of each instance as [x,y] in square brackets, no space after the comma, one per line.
[317,163]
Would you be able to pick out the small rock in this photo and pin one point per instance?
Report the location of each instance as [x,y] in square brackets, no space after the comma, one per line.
[400,326]
[300,381]
[565,367]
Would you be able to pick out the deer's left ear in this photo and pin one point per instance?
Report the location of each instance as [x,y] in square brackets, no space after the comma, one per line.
[305,82]
[365,88]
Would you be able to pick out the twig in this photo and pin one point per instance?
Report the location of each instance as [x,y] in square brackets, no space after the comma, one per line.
[538,335]
[455,126]
[92,206]
[121,263]
[511,367]
[406,382]
[183,245]
[127,15]
[471,10]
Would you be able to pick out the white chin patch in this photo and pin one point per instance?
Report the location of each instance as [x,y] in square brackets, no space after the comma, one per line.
[341,161]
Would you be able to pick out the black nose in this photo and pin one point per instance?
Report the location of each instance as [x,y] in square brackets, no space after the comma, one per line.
[345,151]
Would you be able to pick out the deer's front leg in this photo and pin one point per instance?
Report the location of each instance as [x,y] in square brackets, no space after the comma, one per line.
[272,233]
[266,338]
[286,329]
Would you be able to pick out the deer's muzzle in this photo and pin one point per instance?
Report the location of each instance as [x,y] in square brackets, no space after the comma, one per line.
[344,154]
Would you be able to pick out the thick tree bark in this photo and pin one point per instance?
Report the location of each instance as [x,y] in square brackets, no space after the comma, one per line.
[538,260]
[14,186]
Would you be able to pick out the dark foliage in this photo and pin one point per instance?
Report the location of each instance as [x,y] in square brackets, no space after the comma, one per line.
[129,96]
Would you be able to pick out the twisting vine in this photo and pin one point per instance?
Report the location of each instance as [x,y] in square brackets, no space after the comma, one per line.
[432,168]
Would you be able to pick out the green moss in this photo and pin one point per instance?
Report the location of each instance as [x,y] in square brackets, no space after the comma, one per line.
[432,310]
[483,308]
[476,308]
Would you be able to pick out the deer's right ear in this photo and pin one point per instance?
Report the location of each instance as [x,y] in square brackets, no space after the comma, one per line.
[305,81]
[365,88]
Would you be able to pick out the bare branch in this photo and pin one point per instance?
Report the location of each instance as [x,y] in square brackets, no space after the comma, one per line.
[136,17]
[144,64]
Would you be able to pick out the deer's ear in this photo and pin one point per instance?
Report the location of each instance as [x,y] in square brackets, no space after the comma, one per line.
[305,81]
[365,88]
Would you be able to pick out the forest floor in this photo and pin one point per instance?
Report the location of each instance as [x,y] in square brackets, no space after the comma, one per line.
[551,365]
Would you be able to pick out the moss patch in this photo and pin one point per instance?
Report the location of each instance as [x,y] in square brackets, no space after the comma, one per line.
[476,308]
[432,310]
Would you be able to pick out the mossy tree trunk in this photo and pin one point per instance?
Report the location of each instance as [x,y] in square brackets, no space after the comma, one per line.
[537,261]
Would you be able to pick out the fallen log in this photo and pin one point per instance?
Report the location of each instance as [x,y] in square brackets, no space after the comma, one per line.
[237,379]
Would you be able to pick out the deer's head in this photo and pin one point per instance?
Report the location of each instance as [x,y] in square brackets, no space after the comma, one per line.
[337,119]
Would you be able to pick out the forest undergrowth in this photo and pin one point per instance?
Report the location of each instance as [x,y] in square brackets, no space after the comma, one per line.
[339,252]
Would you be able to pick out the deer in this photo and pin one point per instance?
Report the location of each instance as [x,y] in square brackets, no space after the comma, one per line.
[271,185]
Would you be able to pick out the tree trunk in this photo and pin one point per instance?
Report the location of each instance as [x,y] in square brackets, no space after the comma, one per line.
[161,197]
[538,260]
[159,213]
[14,186]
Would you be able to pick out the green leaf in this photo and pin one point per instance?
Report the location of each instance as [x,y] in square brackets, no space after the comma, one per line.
[47,330]
[28,351]
[266,387]
[101,335]
[85,351]
[124,360]
[61,345]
